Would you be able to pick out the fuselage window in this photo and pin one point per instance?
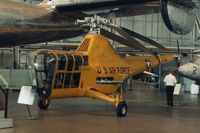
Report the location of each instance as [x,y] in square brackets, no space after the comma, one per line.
[85,59]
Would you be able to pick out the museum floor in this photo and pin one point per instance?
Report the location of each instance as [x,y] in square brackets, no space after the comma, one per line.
[147,113]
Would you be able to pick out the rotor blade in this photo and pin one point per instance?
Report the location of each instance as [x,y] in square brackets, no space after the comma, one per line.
[145,39]
[116,38]
[128,37]
[121,40]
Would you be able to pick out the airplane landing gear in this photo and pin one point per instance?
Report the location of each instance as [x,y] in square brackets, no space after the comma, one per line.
[43,104]
[121,109]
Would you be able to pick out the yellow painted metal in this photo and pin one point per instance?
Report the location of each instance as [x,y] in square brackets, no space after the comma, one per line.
[104,62]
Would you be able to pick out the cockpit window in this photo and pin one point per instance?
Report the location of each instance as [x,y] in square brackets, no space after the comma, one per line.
[61,62]
[59,70]
[39,62]
[78,62]
[44,67]
[67,80]
[59,80]
[75,80]
[51,68]
[70,63]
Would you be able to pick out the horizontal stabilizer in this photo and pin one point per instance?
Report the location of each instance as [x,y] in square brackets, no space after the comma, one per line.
[151,74]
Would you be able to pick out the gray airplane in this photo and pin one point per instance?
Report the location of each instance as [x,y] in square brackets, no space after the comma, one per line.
[54,19]
[191,70]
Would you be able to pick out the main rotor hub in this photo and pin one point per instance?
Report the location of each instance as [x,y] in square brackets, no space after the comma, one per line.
[93,22]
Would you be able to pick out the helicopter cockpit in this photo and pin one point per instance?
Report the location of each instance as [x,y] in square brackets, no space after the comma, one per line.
[57,70]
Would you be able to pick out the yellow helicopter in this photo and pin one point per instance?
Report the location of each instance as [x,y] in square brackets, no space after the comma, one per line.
[93,70]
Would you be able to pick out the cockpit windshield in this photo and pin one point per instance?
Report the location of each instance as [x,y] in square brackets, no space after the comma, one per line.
[44,67]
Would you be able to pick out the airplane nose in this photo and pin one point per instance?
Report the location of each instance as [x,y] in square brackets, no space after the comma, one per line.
[181,70]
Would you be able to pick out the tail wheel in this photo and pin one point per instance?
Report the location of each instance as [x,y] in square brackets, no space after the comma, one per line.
[43,104]
[121,109]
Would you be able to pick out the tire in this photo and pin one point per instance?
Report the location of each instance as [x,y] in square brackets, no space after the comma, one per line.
[43,104]
[44,92]
[122,109]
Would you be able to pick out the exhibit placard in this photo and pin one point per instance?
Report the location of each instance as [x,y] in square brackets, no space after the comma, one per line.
[177,89]
[194,89]
[27,95]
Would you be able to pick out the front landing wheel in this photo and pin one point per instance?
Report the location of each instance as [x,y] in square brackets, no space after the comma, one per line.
[121,109]
[43,104]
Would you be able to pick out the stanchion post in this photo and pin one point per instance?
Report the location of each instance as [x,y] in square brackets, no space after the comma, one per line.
[6,104]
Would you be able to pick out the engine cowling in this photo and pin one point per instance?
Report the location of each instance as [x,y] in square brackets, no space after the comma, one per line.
[178,16]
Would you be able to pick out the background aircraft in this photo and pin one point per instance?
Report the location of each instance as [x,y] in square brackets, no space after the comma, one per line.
[191,70]
[54,19]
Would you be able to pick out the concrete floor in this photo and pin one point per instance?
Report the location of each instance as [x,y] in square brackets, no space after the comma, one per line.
[147,113]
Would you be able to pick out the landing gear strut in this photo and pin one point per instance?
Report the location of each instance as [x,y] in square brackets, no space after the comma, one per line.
[116,99]
[45,91]
[43,104]
[121,109]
